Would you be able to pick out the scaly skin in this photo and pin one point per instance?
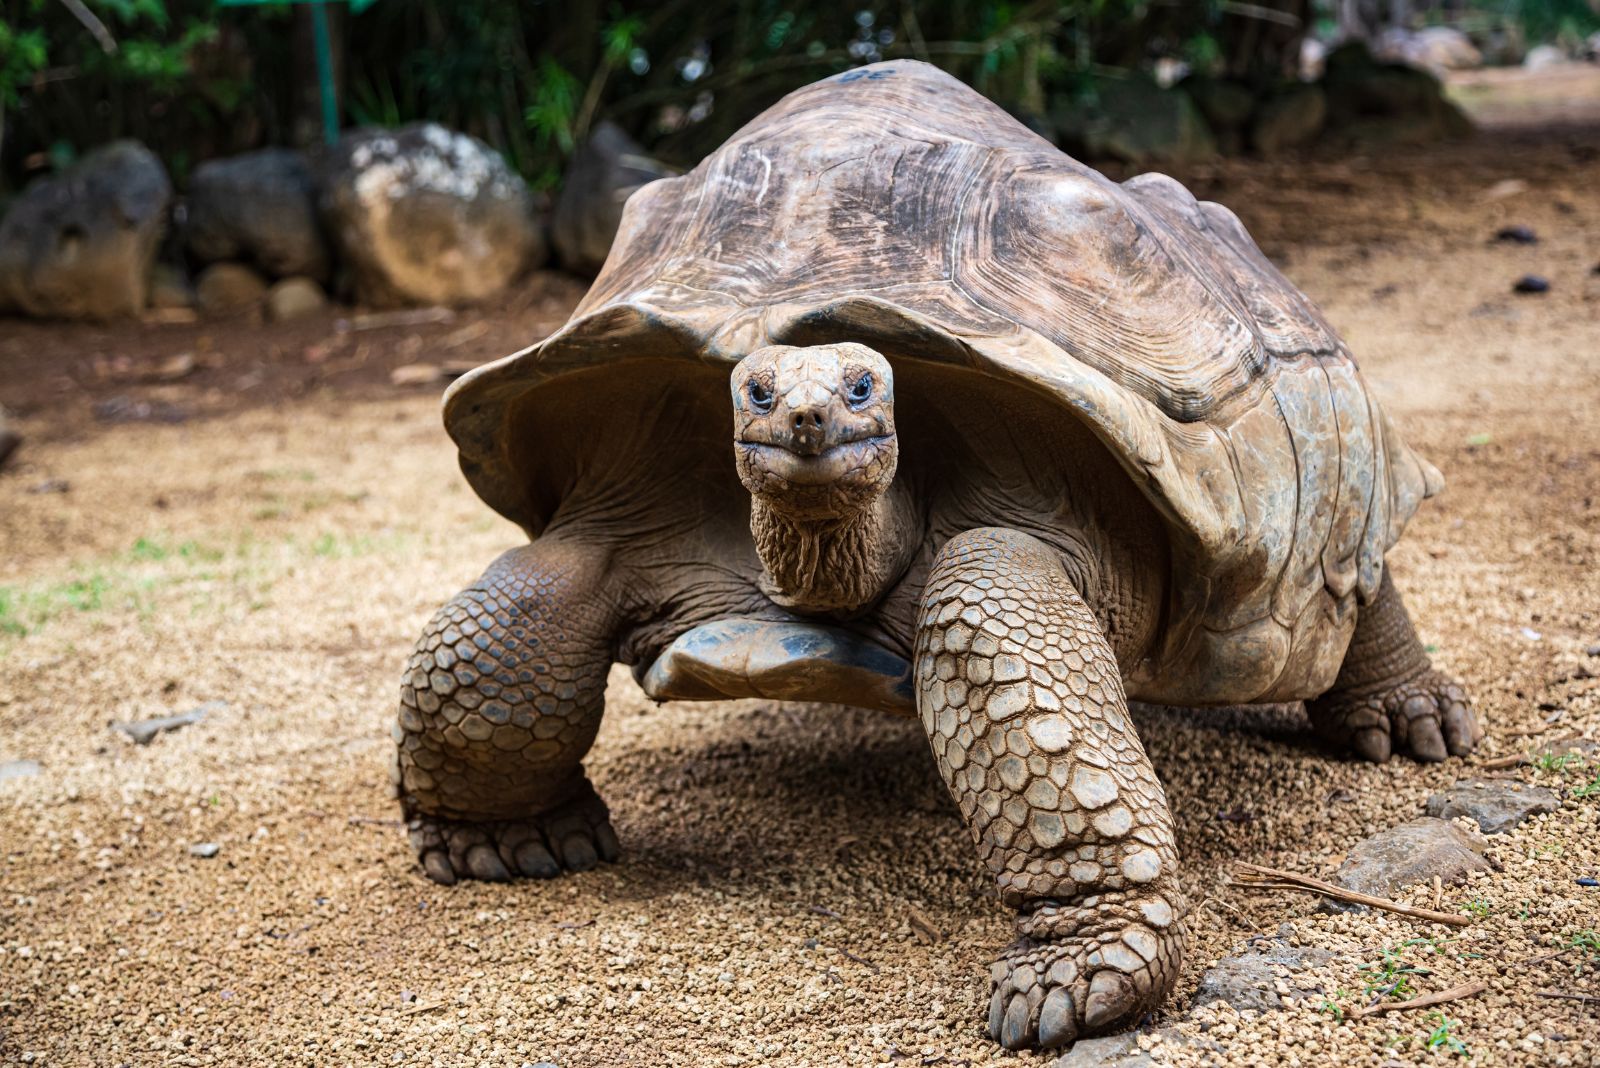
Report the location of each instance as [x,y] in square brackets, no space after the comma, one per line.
[1023,703]
[501,701]
[1388,698]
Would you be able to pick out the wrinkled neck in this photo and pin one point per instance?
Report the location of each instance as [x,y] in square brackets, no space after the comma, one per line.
[839,564]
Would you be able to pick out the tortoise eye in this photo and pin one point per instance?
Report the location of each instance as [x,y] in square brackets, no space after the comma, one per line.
[760,396]
[862,389]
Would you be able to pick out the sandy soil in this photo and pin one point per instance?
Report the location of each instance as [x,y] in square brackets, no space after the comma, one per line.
[280,556]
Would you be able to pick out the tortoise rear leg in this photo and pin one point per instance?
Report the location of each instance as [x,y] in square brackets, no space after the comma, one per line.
[1388,697]
[500,702]
[1024,707]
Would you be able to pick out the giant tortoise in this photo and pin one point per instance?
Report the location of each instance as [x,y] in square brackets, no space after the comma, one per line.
[1011,444]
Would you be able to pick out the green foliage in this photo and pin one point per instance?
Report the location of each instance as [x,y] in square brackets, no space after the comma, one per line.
[1392,975]
[1441,1038]
[1587,943]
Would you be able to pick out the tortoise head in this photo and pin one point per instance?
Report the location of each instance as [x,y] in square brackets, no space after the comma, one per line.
[814,428]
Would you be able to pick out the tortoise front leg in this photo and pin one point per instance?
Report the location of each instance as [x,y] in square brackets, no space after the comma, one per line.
[500,702]
[1023,703]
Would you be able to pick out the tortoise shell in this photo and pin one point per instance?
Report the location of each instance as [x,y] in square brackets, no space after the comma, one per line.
[895,206]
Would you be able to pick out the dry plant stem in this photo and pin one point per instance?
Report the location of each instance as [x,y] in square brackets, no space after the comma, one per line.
[1304,882]
[1455,993]
[1505,762]
[1568,997]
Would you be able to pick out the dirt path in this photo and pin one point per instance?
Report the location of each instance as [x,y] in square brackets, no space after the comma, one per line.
[282,558]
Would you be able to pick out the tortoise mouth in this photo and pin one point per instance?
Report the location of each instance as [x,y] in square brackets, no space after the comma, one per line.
[861,456]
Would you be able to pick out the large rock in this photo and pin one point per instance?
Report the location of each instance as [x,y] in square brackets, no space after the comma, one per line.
[260,208]
[79,245]
[1376,104]
[1543,57]
[228,289]
[1413,852]
[1227,107]
[1435,48]
[423,215]
[294,298]
[1289,120]
[603,174]
[1497,804]
[1135,120]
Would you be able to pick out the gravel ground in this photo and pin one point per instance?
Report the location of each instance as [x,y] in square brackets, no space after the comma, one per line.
[784,863]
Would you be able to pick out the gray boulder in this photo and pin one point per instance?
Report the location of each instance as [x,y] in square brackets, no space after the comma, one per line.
[1435,48]
[424,215]
[1374,104]
[1227,107]
[603,174]
[260,208]
[79,245]
[1543,57]
[1413,852]
[1135,120]
[294,298]
[228,289]
[1497,804]
[1289,120]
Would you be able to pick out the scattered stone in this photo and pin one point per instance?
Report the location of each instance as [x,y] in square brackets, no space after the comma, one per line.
[228,289]
[603,173]
[18,769]
[293,298]
[1289,120]
[416,374]
[1517,235]
[79,245]
[204,850]
[51,485]
[1121,1051]
[257,208]
[170,288]
[424,215]
[1593,650]
[1499,805]
[124,409]
[1413,852]
[143,731]
[1112,1051]
[1247,979]
[1505,187]
[1531,283]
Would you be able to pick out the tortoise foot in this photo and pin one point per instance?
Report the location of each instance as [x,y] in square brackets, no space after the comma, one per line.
[1048,991]
[572,836]
[1426,717]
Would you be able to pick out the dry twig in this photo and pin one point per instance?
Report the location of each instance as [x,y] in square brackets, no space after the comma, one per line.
[1304,882]
[1455,993]
[1568,997]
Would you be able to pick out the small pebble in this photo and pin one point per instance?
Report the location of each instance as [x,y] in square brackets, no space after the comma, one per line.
[1531,283]
[1588,880]
[206,850]
[1517,235]
[1593,650]
[18,769]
